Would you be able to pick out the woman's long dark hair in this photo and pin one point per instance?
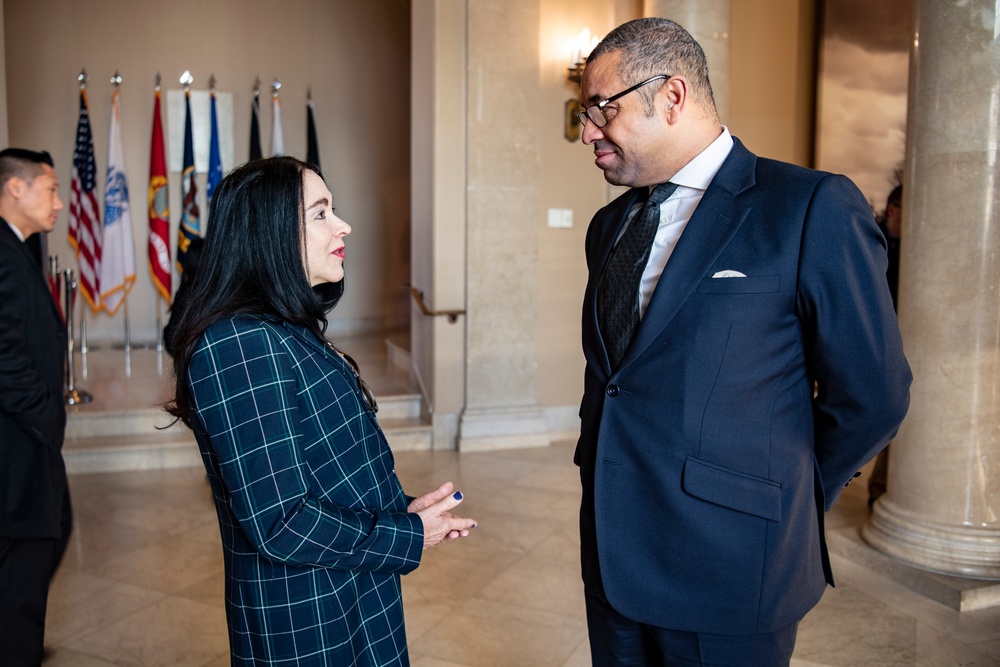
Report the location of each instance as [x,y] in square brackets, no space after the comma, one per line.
[252,262]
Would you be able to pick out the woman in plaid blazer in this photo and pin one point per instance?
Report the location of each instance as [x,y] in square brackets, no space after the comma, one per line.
[315,526]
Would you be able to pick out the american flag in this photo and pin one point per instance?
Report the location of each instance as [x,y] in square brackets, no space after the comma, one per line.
[85,231]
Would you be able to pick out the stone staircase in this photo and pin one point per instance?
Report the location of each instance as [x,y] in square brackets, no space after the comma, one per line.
[125,429]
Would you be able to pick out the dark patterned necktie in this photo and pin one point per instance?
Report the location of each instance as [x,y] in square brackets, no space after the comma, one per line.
[619,295]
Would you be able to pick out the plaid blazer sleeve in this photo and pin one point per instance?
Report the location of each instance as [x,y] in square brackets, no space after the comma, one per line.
[308,474]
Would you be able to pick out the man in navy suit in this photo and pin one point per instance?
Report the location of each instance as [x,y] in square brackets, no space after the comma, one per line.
[35,517]
[740,368]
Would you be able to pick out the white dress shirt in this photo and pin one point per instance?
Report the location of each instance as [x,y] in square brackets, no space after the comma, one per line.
[692,181]
[16,231]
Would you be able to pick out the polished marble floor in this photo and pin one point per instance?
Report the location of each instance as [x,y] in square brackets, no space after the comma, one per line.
[142,581]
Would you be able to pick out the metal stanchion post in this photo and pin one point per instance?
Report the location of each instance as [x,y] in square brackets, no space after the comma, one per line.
[128,342]
[71,395]
[159,339]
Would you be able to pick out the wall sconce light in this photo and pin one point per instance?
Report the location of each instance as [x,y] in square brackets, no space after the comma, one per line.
[579,52]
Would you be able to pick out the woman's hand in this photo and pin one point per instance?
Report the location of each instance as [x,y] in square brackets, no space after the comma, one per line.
[434,511]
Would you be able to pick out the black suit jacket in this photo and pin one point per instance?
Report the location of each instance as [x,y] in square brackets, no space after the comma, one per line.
[32,413]
[706,459]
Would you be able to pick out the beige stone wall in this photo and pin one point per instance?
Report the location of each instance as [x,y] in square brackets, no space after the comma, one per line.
[354,55]
[772,82]
[438,187]
[568,180]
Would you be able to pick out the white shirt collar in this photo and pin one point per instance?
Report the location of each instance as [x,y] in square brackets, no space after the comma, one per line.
[699,172]
[16,231]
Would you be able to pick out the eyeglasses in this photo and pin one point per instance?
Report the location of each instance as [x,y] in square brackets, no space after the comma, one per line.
[365,389]
[596,113]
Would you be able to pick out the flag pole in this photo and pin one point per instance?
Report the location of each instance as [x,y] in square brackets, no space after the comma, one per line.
[128,341]
[159,336]
[116,83]
[84,348]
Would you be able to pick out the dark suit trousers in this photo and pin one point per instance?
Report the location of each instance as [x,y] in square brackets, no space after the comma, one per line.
[616,641]
[26,568]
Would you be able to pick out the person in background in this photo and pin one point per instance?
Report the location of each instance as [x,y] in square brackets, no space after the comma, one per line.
[892,227]
[35,510]
[316,529]
[723,289]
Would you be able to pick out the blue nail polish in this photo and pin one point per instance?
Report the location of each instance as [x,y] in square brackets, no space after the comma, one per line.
[458,495]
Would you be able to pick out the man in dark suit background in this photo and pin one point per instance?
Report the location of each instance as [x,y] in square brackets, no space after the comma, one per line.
[743,361]
[892,227]
[35,516]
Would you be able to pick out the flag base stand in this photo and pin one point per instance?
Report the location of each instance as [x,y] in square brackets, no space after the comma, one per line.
[72,395]
[76,397]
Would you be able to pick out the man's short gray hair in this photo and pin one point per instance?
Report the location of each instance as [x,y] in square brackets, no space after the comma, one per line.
[652,46]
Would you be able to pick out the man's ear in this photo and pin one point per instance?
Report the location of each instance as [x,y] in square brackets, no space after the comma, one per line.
[675,92]
[15,187]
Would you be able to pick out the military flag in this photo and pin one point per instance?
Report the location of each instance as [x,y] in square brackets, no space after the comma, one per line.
[255,125]
[158,248]
[312,145]
[214,157]
[190,227]
[118,253]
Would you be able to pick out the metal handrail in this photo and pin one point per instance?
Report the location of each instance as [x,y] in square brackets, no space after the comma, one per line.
[418,296]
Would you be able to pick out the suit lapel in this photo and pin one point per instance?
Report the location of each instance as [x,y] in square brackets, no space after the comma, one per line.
[713,225]
[618,216]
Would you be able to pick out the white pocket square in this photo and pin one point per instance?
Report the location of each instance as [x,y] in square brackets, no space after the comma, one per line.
[729,274]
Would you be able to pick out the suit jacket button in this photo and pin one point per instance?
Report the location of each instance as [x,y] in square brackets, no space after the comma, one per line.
[613,390]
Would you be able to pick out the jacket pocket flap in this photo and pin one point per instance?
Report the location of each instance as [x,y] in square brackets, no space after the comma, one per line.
[748,285]
[735,490]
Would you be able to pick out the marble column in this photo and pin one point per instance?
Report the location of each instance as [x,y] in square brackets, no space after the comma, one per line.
[942,508]
[709,22]
[503,214]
